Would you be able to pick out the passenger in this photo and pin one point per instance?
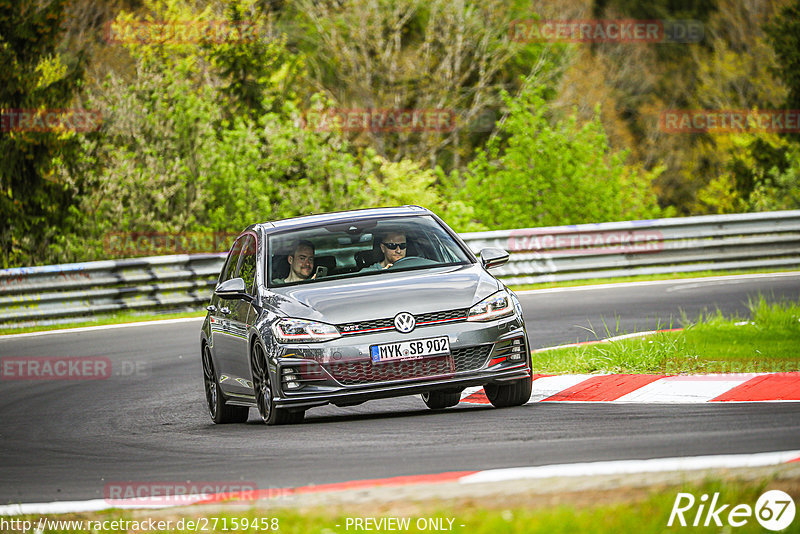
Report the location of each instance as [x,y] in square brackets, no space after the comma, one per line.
[301,263]
[393,246]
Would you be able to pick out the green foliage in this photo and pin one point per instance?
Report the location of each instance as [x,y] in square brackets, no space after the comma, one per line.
[169,162]
[784,36]
[753,170]
[36,75]
[404,182]
[731,68]
[209,136]
[761,172]
[422,55]
[544,172]
[188,147]
[260,75]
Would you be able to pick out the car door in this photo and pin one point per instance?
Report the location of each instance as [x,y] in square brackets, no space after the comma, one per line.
[241,315]
[222,344]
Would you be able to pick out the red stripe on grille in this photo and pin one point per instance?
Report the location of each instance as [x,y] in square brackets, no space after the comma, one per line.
[442,321]
[367,330]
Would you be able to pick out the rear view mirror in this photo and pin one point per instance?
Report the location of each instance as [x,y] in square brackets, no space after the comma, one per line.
[233,288]
[493,257]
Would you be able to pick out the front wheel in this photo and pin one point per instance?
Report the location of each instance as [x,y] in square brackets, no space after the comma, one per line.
[262,386]
[514,393]
[219,411]
[439,400]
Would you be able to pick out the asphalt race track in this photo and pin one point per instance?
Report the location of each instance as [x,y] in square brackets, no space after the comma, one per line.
[65,440]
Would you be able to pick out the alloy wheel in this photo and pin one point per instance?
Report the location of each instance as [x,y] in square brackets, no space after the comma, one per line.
[210,382]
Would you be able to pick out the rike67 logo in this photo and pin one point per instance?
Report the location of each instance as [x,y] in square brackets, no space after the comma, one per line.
[774,510]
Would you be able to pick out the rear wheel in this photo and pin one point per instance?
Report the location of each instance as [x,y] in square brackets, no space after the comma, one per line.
[262,385]
[439,400]
[514,393]
[217,409]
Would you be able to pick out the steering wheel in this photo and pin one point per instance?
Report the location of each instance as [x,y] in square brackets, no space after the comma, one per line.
[404,259]
[412,261]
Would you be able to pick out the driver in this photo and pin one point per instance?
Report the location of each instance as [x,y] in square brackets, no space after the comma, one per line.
[301,263]
[393,246]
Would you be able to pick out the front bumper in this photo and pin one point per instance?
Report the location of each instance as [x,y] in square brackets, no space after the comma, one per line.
[341,371]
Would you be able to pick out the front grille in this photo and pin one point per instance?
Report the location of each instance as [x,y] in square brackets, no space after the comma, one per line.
[352,373]
[365,372]
[424,319]
[449,315]
[471,358]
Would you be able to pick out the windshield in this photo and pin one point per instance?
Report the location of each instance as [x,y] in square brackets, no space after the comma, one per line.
[363,248]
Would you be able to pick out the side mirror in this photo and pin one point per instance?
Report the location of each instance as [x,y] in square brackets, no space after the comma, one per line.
[493,257]
[233,288]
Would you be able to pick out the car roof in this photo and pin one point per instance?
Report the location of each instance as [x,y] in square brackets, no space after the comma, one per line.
[342,216]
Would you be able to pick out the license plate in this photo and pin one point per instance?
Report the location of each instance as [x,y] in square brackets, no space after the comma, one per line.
[410,350]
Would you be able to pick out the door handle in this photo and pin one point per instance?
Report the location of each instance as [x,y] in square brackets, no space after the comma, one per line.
[225,310]
[211,308]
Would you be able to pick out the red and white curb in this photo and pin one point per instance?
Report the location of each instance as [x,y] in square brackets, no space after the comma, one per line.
[622,467]
[653,389]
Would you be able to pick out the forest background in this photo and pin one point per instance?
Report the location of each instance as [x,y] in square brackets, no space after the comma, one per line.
[210,136]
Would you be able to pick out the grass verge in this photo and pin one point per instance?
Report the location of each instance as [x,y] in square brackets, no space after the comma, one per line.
[767,341]
[642,510]
[116,318]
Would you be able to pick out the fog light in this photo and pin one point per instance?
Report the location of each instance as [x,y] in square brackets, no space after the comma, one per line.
[290,377]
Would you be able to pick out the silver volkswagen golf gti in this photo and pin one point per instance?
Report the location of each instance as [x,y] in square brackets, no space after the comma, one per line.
[347,307]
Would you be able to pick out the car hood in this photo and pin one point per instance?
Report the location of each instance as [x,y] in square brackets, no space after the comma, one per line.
[386,294]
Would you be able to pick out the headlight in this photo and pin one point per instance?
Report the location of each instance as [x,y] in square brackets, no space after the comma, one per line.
[300,331]
[492,307]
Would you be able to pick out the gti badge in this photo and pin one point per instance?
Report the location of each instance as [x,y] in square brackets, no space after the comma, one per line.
[404,322]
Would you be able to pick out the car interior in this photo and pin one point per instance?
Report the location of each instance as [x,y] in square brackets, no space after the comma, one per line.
[346,250]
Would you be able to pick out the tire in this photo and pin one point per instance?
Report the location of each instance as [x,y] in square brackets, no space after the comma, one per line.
[220,412]
[262,386]
[515,393]
[439,400]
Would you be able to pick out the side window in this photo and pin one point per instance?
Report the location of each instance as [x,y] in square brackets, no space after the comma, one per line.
[247,267]
[233,258]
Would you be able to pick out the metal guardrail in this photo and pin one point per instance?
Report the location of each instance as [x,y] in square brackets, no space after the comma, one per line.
[66,293]
[660,246]
[76,292]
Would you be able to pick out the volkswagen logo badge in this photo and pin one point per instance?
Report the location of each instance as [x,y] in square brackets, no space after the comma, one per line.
[404,322]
